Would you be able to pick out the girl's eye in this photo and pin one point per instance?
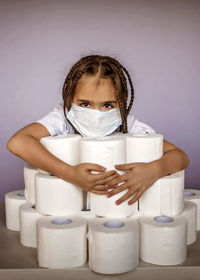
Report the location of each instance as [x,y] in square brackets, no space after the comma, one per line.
[108,106]
[84,104]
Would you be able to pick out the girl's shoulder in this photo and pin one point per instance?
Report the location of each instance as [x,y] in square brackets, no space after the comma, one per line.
[135,126]
[55,121]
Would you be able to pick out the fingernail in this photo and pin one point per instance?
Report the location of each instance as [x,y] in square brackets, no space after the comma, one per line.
[117,202]
[108,195]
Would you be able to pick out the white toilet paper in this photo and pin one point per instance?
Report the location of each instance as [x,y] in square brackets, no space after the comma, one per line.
[86,214]
[62,241]
[163,240]
[13,200]
[64,147]
[29,182]
[106,151]
[144,148]
[55,196]
[190,213]
[105,206]
[193,195]
[164,197]
[135,215]
[28,217]
[113,245]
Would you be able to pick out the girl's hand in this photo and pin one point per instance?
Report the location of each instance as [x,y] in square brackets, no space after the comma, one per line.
[138,178]
[81,175]
[102,189]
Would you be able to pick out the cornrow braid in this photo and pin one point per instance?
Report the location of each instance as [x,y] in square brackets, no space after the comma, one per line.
[125,84]
[122,100]
[132,89]
[121,108]
[72,85]
[104,67]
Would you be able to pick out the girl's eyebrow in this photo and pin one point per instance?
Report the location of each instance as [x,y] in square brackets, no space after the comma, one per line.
[107,101]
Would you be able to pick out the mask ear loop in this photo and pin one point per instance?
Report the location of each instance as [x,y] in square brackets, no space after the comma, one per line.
[75,131]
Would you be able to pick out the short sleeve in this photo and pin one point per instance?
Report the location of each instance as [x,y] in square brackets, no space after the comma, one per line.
[55,121]
[137,127]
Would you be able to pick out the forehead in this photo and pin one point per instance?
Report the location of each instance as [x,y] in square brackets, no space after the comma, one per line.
[93,87]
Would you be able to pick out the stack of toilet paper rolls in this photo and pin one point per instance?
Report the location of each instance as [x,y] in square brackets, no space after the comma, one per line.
[51,217]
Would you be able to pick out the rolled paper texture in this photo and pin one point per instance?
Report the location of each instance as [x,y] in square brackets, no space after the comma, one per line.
[107,152]
[55,196]
[29,182]
[164,197]
[163,239]
[113,245]
[13,200]
[62,241]
[193,195]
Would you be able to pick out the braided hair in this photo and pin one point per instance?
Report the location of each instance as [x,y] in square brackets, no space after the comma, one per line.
[104,67]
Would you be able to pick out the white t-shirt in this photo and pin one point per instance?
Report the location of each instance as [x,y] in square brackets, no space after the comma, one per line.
[56,123]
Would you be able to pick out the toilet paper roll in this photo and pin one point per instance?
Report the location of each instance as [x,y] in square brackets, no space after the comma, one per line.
[105,206]
[163,240]
[64,147]
[144,148]
[113,245]
[27,218]
[29,182]
[13,200]
[135,215]
[86,214]
[62,241]
[164,197]
[190,213]
[106,151]
[193,195]
[55,196]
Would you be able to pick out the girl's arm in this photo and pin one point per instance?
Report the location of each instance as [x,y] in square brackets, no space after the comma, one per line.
[26,145]
[140,176]
[173,160]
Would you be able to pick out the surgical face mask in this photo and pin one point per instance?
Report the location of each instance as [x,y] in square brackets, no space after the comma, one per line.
[92,122]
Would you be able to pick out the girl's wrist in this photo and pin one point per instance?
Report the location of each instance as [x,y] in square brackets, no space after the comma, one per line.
[156,169]
[65,172]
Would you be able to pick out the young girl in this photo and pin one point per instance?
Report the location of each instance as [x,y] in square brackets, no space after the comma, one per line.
[95,98]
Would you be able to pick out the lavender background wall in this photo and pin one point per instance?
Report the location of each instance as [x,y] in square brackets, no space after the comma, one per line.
[156,40]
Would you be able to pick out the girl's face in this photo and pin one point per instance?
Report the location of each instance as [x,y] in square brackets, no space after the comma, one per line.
[95,93]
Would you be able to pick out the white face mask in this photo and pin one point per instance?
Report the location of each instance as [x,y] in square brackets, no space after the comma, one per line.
[92,122]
